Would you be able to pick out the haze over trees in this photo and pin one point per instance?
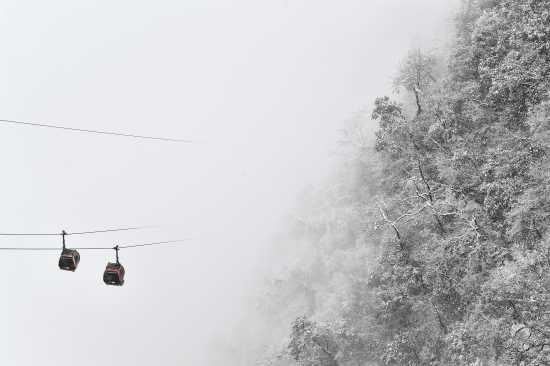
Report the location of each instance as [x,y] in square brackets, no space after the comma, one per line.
[430,246]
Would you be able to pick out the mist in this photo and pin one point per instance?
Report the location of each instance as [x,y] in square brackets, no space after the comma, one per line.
[265,85]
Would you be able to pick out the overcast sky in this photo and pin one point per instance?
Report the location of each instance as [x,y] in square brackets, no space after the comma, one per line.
[267,83]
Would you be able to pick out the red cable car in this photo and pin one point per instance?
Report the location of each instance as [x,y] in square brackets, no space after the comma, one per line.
[114,272]
[69,258]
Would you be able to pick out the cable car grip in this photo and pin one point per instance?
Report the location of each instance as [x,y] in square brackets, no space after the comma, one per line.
[63,233]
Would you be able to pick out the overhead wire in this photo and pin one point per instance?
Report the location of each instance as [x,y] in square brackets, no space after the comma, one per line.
[29,248]
[94,232]
[104,132]
[85,232]
[162,242]
[105,231]
[103,248]
[28,234]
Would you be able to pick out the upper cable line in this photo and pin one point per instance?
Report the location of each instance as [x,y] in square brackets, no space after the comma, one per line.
[103,132]
[26,234]
[83,232]
[105,231]
[104,248]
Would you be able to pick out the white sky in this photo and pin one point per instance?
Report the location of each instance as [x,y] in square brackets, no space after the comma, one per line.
[268,82]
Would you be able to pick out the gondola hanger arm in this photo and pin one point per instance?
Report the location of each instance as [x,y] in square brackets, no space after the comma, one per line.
[63,233]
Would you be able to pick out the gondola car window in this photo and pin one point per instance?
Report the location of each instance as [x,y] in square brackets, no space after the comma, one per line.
[67,261]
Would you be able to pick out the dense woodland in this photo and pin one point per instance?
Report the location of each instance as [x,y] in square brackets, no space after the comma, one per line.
[430,246]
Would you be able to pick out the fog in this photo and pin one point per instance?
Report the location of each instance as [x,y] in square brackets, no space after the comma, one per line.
[265,84]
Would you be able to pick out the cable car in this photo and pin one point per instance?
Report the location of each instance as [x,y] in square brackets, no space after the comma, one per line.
[69,259]
[114,272]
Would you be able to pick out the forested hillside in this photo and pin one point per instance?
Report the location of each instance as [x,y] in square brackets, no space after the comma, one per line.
[430,246]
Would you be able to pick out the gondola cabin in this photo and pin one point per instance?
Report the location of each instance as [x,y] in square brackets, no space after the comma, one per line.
[114,274]
[69,259]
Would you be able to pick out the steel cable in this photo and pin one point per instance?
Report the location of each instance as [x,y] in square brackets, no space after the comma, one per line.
[103,132]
